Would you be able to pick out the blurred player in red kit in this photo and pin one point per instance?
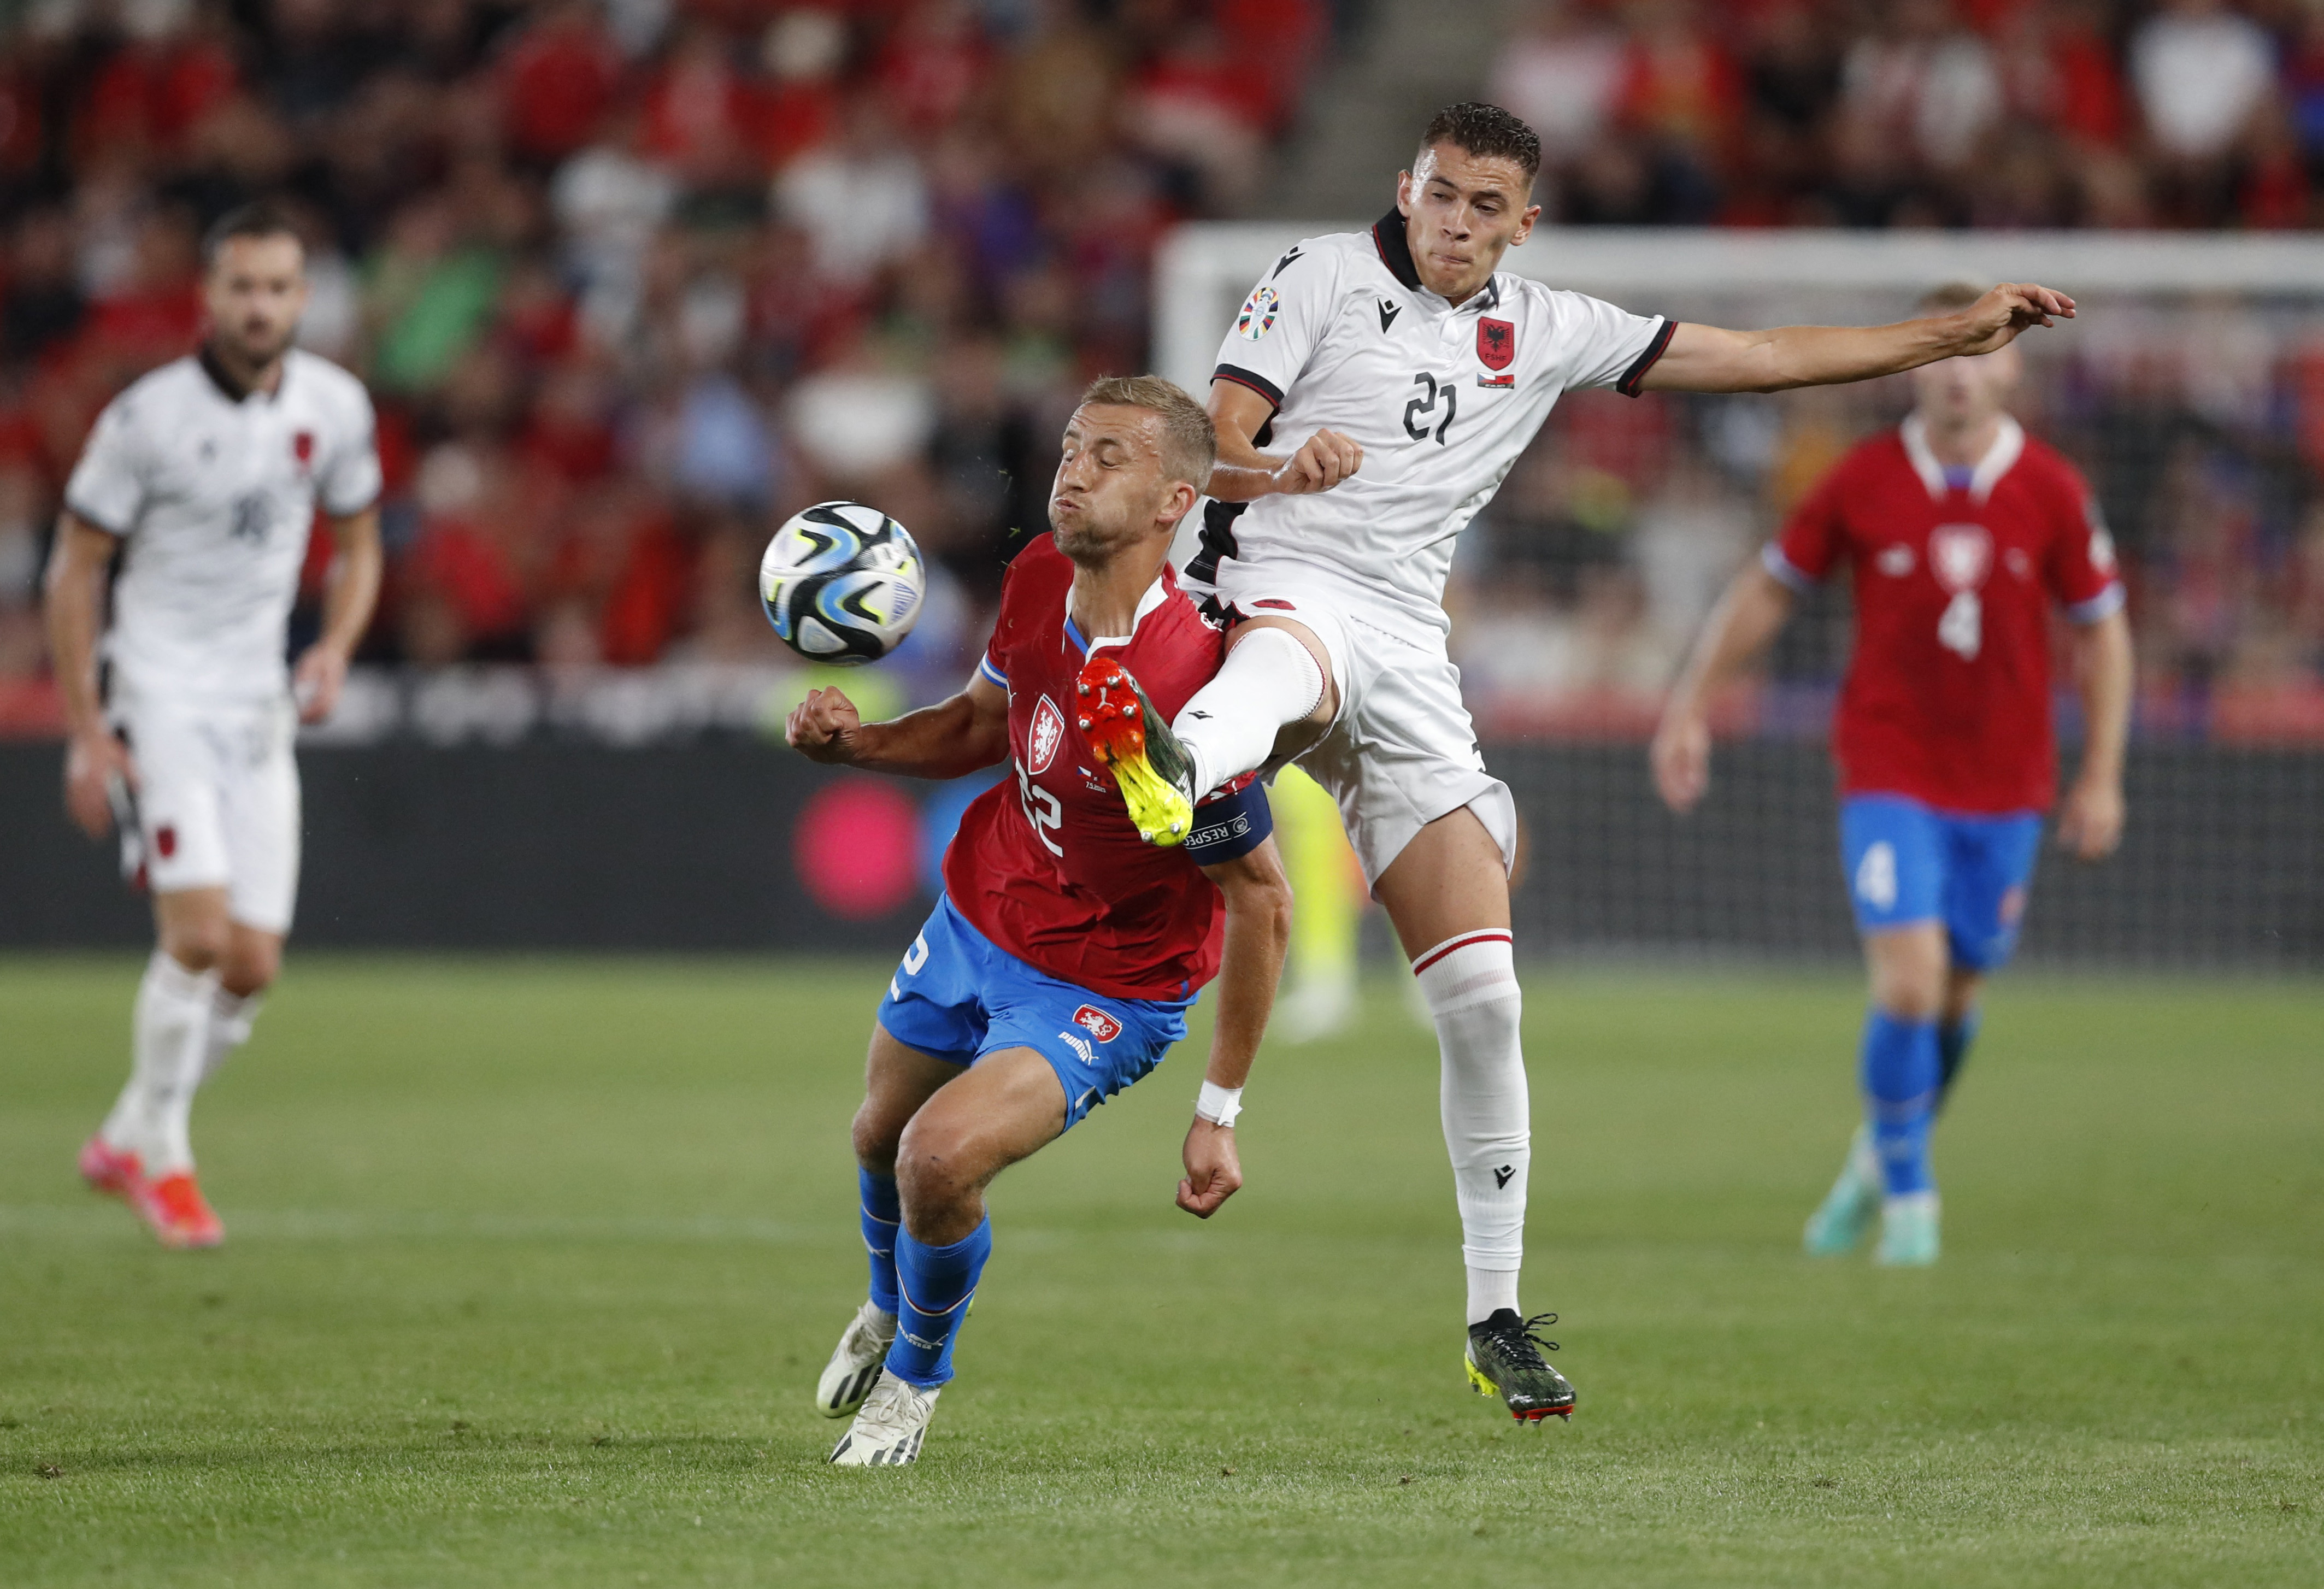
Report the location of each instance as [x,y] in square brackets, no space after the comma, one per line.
[1961,532]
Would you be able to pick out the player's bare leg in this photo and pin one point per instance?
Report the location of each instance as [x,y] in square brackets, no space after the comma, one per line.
[1448,895]
[896,1081]
[1007,1106]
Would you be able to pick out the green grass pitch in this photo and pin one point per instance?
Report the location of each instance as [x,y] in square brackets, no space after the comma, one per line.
[531,1264]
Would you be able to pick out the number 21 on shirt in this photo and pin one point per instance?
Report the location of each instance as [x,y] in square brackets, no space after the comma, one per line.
[1421,411]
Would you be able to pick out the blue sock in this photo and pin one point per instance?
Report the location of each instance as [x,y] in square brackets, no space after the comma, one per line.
[1952,1048]
[882,1218]
[1900,1095]
[937,1283]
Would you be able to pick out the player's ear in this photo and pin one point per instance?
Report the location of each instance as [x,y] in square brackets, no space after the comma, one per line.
[1404,194]
[1525,225]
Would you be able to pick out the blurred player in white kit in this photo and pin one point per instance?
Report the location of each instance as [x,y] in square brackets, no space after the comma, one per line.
[205,476]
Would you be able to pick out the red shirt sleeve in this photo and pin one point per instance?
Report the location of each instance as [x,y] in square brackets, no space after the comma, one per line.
[1815,537]
[2079,569]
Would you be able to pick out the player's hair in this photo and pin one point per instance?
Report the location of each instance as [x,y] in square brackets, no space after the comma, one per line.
[1949,295]
[1486,130]
[262,218]
[1189,445]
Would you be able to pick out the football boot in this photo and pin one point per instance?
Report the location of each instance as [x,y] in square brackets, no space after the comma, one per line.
[1908,1231]
[1839,1222]
[1504,1360]
[856,1361]
[888,1428]
[1151,768]
[177,1211]
[109,1170]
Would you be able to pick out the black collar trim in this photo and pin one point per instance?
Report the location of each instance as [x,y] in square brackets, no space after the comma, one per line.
[1388,236]
[234,391]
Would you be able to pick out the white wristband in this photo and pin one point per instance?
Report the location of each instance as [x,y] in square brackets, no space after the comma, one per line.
[1218,1104]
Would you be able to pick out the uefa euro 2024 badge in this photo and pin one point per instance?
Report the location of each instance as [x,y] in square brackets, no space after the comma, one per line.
[1258,312]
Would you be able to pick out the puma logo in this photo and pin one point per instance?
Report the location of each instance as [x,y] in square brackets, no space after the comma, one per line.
[1387,313]
[1501,1176]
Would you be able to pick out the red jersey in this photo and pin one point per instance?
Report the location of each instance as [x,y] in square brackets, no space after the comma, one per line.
[1948,697]
[1046,863]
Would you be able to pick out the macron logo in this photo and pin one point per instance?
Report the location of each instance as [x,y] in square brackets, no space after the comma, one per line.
[1501,1176]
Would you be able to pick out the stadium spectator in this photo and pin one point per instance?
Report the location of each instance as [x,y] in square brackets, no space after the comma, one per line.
[656,273]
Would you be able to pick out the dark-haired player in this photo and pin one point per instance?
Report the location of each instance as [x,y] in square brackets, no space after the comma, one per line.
[1369,398]
[1960,531]
[1058,967]
[205,476]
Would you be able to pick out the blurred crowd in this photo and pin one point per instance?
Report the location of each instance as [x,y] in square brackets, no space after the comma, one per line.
[1925,113]
[632,278]
[629,280]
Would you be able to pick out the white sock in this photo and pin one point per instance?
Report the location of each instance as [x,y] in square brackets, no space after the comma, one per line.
[168,1033]
[1490,1291]
[231,1015]
[1470,982]
[1229,724]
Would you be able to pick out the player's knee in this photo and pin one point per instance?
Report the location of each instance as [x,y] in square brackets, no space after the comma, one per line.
[249,967]
[877,1134]
[935,1175]
[1910,993]
[195,944]
[1962,987]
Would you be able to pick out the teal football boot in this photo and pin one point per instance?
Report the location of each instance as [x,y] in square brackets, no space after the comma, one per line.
[1838,1226]
[1908,1232]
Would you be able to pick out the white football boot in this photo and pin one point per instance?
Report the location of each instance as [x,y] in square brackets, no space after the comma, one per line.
[856,1361]
[888,1431]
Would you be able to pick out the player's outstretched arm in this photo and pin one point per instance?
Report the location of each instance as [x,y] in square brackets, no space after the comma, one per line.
[2089,823]
[1243,473]
[93,756]
[1258,933]
[1740,627]
[354,592]
[953,737]
[1705,358]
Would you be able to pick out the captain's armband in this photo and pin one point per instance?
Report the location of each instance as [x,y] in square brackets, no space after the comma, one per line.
[1231,825]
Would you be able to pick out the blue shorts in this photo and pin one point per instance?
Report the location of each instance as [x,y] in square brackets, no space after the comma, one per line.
[1908,864]
[959,996]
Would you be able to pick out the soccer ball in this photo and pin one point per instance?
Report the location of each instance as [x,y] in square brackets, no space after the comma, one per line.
[842,582]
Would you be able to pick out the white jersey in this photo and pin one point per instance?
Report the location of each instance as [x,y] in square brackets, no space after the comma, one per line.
[1342,335]
[213,494]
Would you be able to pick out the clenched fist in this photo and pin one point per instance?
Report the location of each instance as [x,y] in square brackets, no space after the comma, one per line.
[822,727]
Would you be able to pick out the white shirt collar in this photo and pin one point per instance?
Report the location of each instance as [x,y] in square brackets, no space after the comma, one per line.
[2008,443]
[1152,599]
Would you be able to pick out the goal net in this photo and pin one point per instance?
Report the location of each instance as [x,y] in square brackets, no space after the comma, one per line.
[2190,390]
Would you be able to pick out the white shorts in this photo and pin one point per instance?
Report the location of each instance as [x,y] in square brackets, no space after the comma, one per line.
[218,802]
[1402,751]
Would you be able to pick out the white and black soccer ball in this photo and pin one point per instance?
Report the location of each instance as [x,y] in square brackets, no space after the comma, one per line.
[842,582]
